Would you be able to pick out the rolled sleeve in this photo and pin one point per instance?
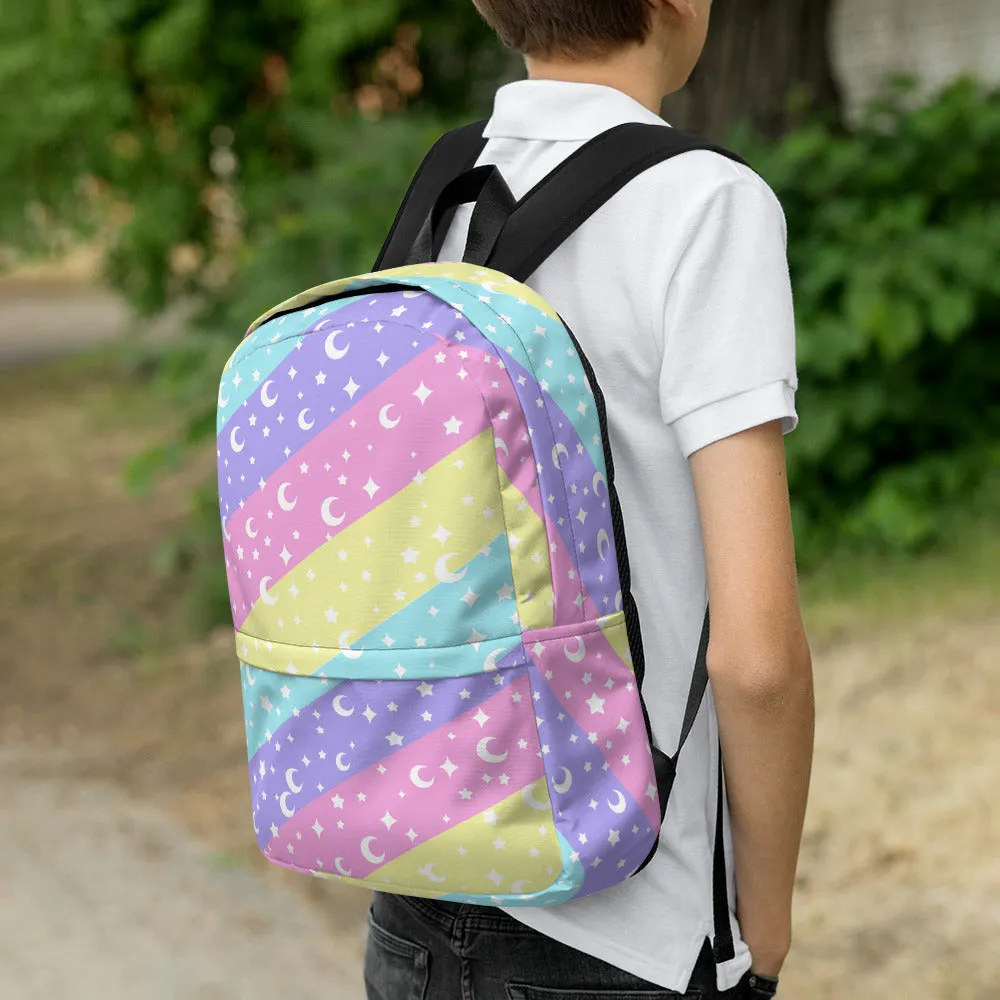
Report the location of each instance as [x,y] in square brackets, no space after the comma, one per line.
[737,413]
[728,360]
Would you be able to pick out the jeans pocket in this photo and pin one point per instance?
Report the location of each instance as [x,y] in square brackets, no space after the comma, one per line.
[395,969]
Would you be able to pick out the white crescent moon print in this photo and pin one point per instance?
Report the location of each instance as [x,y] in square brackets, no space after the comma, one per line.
[306,425]
[264,398]
[580,652]
[237,446]
[491,660]
[328,518]
[558,451]
[366,851]
[344,642]
[416,779]
[264,595]
[383,417]
[603,544]
[338,707]
[442,572]
[332,350]
[290,781]
[528,797]
[618,806]
[483,750]
[562,787]
[283,502]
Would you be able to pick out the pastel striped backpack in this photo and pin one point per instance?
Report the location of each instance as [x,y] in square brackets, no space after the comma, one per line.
[441,657]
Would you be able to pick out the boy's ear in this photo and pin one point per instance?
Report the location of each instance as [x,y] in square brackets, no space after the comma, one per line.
[684,8]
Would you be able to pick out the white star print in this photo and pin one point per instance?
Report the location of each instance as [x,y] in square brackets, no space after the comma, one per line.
[371,488]
[442,534]
[448,767]
[352,387]
[422,392]
[453,426]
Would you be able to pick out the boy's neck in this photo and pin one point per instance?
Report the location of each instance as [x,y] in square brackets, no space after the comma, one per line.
[637,71]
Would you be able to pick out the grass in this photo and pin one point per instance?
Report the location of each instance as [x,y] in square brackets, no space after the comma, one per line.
[857,592]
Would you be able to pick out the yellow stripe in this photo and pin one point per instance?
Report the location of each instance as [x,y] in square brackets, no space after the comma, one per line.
[616,633]
[513,842]
[495,280]
[361,577]
[529,557]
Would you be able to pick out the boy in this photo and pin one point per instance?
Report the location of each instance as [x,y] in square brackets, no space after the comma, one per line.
[678,290]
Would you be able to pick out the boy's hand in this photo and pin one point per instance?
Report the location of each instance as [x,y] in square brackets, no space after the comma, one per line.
[759,664]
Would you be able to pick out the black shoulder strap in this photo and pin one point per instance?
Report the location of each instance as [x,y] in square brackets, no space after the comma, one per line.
[454,153]
[699,684]
[556,207]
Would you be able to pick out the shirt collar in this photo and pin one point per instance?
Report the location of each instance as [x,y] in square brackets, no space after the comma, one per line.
[557,110]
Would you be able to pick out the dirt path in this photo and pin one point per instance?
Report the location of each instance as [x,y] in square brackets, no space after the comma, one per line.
[41,320]
[102,898]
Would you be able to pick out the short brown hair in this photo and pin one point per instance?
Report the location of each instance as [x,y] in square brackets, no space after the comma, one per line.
[566,27]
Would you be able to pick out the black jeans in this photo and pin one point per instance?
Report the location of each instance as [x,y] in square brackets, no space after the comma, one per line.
[422,950]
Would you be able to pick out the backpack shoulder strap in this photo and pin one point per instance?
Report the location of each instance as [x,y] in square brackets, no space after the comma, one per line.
[556,207]
[453,154]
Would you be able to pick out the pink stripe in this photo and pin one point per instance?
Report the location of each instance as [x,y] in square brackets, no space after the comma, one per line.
[423,813]
[621,701]
[388,464]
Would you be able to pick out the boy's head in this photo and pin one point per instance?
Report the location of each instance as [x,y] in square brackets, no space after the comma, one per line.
[671,32]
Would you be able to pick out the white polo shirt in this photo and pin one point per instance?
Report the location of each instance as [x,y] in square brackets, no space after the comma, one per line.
[679,293]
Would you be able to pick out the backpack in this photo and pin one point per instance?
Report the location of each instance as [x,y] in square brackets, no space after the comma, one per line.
[441,655]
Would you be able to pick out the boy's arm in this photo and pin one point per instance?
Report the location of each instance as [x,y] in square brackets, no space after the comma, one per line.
[761,674]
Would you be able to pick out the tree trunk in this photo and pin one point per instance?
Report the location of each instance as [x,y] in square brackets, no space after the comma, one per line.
[767,62]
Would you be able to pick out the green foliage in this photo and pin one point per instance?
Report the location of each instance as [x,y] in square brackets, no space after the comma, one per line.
[894,239]
[228,154]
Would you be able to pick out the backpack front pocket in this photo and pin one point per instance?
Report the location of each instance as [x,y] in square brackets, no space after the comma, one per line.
[430,787]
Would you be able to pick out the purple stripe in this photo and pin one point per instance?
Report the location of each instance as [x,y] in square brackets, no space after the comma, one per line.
[611,836]
[311,742]
[309,379]
[599,576]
